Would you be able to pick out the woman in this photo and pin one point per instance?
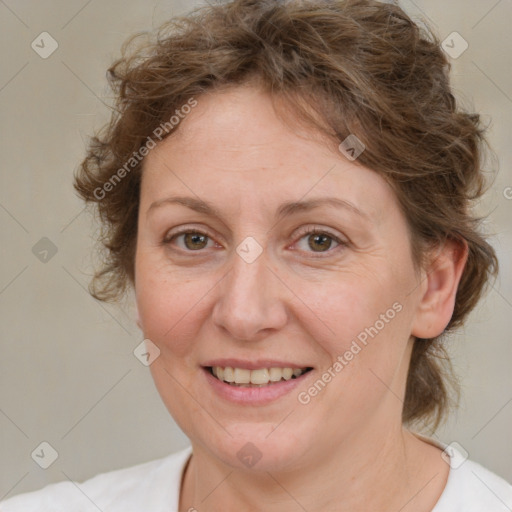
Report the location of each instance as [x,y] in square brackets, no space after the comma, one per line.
[286,186]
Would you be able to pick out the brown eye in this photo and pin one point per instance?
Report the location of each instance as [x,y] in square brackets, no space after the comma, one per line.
[319,240]
[192,240]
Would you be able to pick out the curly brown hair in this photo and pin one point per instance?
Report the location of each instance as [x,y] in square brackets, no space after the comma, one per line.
[362,67]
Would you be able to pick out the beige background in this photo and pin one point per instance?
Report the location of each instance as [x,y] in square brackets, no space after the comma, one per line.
[68,373]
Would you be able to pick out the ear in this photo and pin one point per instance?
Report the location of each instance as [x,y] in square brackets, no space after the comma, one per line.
[439,288]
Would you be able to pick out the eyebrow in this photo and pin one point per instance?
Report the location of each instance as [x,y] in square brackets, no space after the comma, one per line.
[284,210]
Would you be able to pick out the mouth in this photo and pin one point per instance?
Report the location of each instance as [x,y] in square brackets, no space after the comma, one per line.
[256,378]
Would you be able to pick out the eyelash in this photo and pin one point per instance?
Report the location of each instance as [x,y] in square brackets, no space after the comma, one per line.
[301,234]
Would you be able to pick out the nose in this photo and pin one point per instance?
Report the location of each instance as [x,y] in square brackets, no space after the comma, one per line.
[251,300]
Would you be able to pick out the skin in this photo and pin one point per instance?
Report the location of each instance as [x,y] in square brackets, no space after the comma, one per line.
[295,303]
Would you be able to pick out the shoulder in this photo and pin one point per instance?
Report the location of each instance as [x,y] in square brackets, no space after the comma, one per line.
[150,485]
[473,488]
[470,486]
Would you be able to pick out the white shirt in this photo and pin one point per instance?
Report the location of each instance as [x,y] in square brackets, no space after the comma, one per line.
[154,487]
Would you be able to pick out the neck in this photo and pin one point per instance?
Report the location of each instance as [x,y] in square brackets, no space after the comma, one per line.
[395,465]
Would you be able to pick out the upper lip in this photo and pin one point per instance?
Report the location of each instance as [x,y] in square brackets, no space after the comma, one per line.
[254,365]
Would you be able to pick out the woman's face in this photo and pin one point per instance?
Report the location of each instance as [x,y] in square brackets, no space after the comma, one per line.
[249,288]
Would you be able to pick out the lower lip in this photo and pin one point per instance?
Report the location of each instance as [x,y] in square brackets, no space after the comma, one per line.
[253,396]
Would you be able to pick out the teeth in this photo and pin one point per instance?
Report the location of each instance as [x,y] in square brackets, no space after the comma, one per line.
[229,375]
[242,376]
[257,378]
[275,374]
[287,373]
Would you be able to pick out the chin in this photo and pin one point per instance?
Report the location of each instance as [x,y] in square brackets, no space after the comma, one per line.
[258,447]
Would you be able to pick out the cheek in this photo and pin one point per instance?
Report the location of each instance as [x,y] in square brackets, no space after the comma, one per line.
[364,355]
[363,319]
[169,306]
[347,304]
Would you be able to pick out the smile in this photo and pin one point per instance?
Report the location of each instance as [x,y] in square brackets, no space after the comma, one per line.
[242,377]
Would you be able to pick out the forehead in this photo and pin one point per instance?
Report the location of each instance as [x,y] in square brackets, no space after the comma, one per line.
[233,142]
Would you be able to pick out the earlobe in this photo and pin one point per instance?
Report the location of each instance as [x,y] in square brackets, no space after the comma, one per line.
[437,303]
